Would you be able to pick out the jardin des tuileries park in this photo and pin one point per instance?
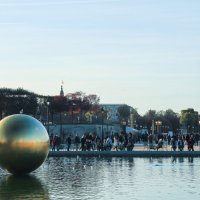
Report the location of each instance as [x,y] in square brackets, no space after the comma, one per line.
[78,114]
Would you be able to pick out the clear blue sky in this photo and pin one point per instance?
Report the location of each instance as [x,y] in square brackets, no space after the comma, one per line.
[145,53]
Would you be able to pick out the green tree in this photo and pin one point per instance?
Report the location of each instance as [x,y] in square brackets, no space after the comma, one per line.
[172,120]
[124,112]
[16,101]
[149,116]
[189,120]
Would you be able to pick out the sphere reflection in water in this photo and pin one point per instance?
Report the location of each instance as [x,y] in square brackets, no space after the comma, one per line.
[24,144]
[22,187]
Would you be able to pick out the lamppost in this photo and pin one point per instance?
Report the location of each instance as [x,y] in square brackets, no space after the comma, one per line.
[158,124]
[153,128]
[124,126]
[60,124]
[48,103]
[131,117]
[102,115]
[199,127]
[73,105]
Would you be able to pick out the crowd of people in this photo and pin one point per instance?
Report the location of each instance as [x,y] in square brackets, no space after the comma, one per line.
[123,141]
[176,142]
[93,142]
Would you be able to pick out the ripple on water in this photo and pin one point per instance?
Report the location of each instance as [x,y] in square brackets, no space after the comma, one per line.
[112,178]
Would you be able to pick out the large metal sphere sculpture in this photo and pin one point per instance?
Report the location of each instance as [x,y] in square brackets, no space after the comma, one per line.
[24,144]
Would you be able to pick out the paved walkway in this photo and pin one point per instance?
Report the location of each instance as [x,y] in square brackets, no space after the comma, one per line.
[139,151]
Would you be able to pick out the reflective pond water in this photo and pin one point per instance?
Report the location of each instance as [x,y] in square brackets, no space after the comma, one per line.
[106,178]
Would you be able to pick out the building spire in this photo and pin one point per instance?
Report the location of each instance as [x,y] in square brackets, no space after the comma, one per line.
[61,90]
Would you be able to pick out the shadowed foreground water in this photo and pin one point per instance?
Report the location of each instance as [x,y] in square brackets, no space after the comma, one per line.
[106,178]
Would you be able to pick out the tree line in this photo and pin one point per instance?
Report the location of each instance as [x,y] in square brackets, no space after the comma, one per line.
[79,107]
[15,101]
[187,120]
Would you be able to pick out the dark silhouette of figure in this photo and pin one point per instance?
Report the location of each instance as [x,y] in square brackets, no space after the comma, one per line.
[69,141]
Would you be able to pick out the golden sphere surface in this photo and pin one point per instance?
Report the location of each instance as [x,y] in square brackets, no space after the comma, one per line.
[24,144]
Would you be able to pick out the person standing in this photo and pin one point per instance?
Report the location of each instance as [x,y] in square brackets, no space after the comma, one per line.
[53,143]
[173,143]
[69,141]
[83,140]
[191,142]
[77,142]
[180,143]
